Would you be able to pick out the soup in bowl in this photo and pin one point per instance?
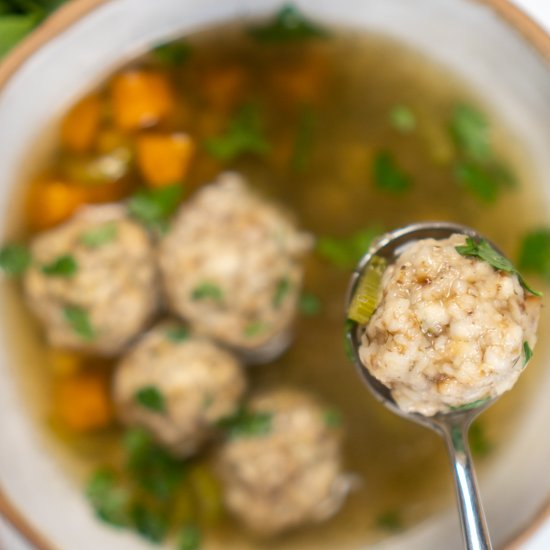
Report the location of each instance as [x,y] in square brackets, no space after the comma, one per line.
[185,198]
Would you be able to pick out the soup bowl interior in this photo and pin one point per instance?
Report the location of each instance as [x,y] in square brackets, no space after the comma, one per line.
[468,37]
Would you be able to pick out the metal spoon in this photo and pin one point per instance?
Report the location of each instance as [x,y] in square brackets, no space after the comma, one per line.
[452,426]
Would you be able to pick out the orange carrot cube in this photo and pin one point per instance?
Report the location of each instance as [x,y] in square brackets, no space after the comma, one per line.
[80,126]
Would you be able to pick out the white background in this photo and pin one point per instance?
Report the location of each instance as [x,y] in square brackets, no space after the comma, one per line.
[538,9]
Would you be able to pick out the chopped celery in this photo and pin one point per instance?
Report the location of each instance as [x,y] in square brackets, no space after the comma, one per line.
[365,298]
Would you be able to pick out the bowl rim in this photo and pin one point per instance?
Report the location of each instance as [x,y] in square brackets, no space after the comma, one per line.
[516,19]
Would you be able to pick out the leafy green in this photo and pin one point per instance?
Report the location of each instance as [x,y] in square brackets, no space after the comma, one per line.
[94,238]
[150,466]
[484,181]
[189,538]
[254,328]
[479,443]
[79,321]
[177,334]
[346,252]
[403,119]
[207,291]
[14,259]
[246,423]
[303,143]
[535,253]
[149,523]
[109,498]
[309,304]
[470,131]
[390,521]
[244,135]
[527,353]
[151,398]
[288,25]
[173,54]
[484,251]
[387,174]
[63,266]
[333,418]
[154,207]
[281,292]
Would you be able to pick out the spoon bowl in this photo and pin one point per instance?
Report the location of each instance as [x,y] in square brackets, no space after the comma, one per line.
[453,426]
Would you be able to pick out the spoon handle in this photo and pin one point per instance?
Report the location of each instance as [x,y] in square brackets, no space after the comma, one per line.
[472,516]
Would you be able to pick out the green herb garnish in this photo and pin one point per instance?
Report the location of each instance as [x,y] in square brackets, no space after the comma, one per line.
[403,119]
[485,182]
[151,524]
[333,418]
[153,207]
[535,253]
[470,131]
[390,521]
[479,443]
[177,334]
[303,142]
[109,498]
[527,353]
[79,321]
[308,304]
[94,238]
[189,538]
[254,328]
[346,252]
[246,423]
[151,398]
[281,292]
[472,405]
[288,25]
[387,174]
[244,135]
[173,54]
[150,466]
[207,291]
[484,251]
[14,259]
[64,266]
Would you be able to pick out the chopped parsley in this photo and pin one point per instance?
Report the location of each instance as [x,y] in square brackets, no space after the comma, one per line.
[346,252]
[308,304]
[246,423]
[479,443]
[94,238]
[14,259]
[303,143]
[288,25]
[151,398]
[470,131]
[484,251]
[390,521]
[151,524]
[472,405]
[254,328]
[173,54]
[484,182]
[535,253]
[527,353]
[109,498]
[79,321]
[154,207]
[207,291]
[333,418]
[64,266]
[189,538]
[177,334]
[284,286]
[403,119]
[387,174]
[244,135]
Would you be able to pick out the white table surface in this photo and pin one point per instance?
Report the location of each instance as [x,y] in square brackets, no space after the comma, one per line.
[538,9]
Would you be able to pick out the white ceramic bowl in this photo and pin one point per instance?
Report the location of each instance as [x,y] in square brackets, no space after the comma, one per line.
[89,38]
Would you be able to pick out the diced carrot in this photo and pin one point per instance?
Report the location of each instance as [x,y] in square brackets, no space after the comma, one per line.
[164,158]
[80,126]
[224,85]
[82,402]
[51,201]
[141,98]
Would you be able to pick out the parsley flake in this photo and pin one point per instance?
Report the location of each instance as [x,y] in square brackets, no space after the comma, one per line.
[254,328]
[470,131]
[108,497]
[387,174]
[14,259]
[173,54]
[94,238]
[309,305]
[246,423]
[149,523]
[154,207]
[535,253]
[64,266]
[333,418]
[177,334]
[403,119]
[527,353]
[151,398]
[284,286]
[79,321]
[207,291]
[390,521]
